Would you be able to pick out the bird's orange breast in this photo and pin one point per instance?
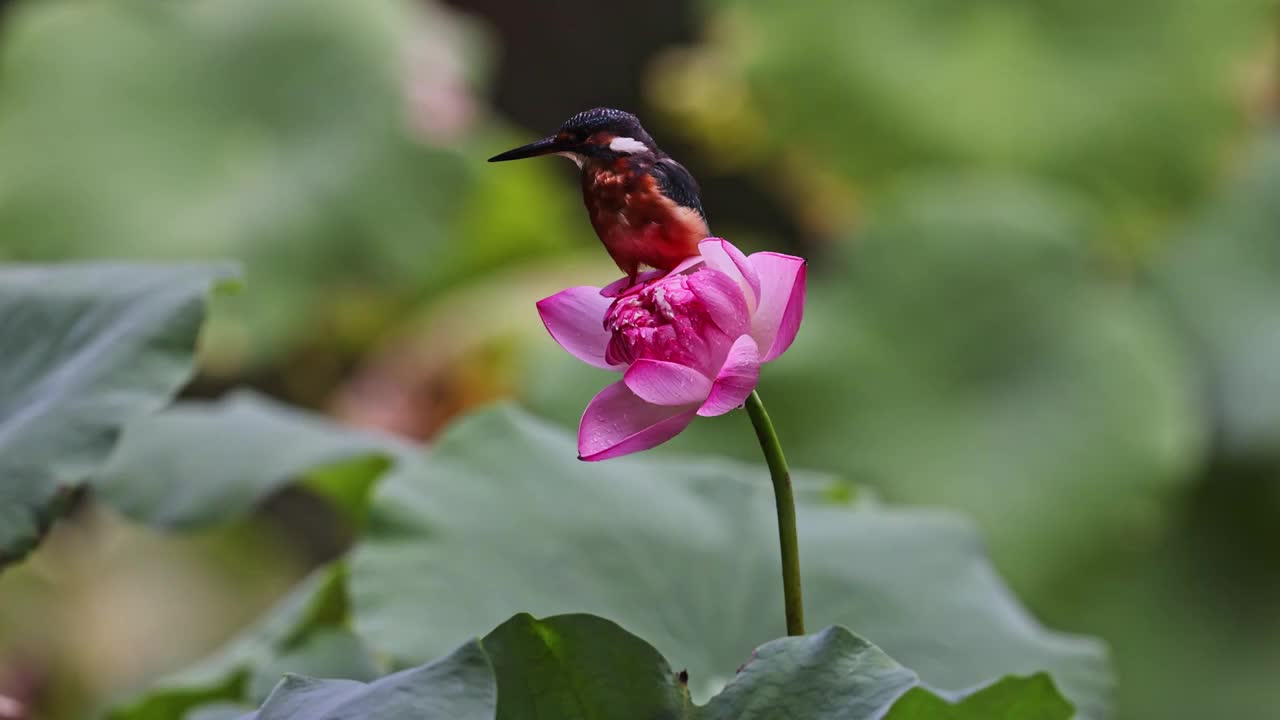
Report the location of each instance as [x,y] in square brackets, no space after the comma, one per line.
[636,222]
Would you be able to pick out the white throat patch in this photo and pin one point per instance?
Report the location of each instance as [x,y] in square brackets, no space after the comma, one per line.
[575,157]
[627,145]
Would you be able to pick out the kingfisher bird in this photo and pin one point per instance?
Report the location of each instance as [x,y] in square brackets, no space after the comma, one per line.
[644,206]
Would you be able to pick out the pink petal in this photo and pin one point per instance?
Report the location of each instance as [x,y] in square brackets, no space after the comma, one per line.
[723,256]
[685,264]
[723,299]
[736,379]
[624,286]
[617,422]
[666,383]
[575,318]
[782,290]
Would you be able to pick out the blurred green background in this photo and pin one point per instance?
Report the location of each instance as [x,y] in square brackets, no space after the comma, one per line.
[1044,243]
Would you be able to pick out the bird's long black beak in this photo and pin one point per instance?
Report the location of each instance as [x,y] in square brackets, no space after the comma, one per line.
[545,146]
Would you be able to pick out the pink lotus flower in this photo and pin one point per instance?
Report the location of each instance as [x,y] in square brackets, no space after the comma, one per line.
[689,342]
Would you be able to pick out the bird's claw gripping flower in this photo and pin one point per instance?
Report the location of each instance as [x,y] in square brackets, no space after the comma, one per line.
[689,342]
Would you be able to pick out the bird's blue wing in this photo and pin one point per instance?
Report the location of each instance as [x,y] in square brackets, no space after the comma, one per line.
[678,184]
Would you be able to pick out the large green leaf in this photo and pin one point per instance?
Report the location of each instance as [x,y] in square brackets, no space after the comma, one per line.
[579,666]
[502,518]
[1223,279]
[832,674]
[87,348]
[575,667]
[472,534]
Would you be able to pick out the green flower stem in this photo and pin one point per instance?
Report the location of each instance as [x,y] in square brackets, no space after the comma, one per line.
[786,502]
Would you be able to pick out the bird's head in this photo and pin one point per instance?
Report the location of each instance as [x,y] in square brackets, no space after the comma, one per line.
[600,133]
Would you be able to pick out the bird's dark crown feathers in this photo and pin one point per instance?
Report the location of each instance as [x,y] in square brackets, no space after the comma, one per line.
[618,122]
